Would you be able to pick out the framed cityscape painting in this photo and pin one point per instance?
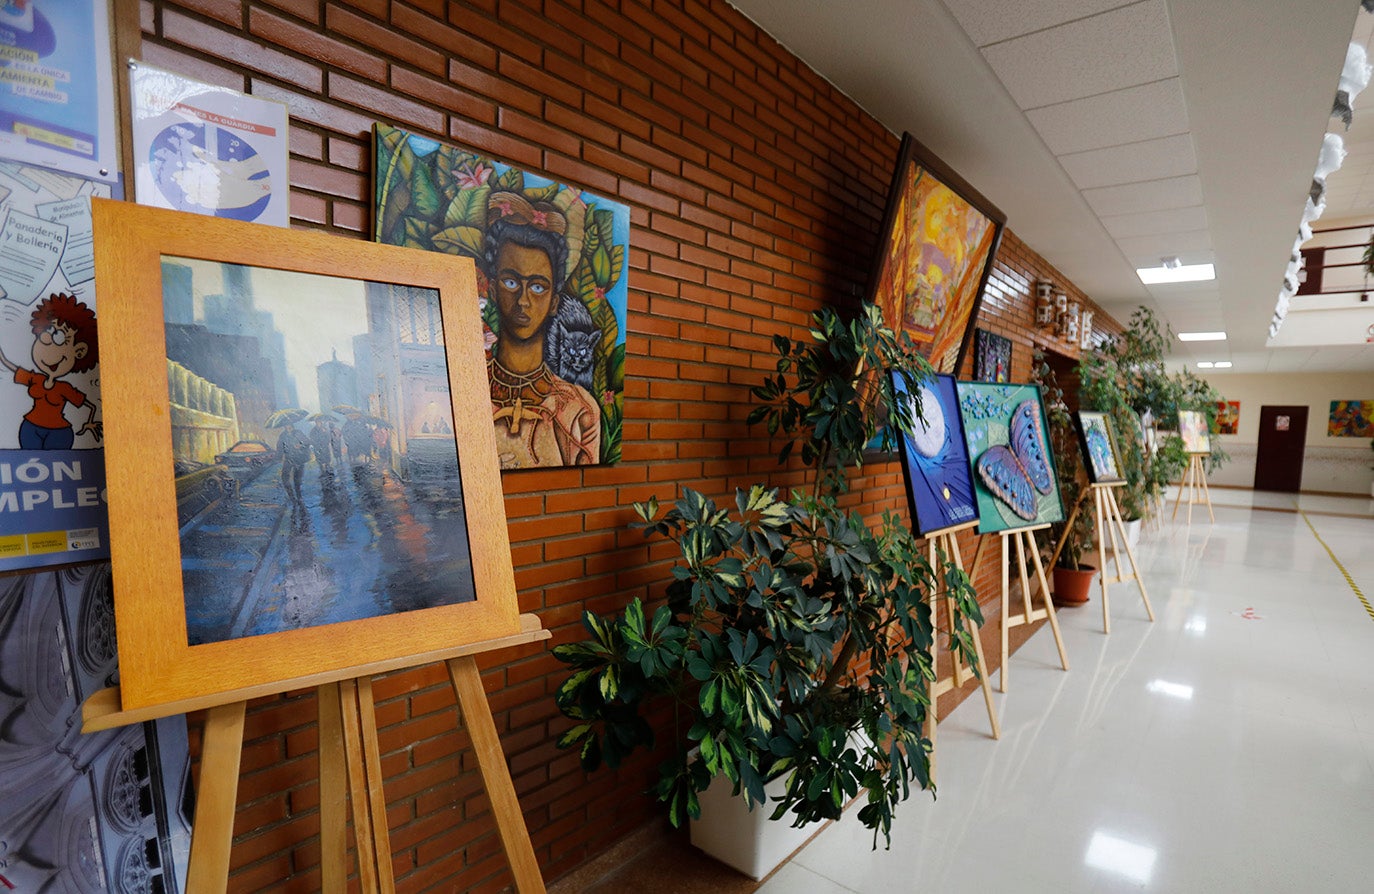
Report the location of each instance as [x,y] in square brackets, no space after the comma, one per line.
[936,248]
[991,357]
[1099,446]
[1192,427]
[1014,478]
[298,484]
[551,286]
[935,457]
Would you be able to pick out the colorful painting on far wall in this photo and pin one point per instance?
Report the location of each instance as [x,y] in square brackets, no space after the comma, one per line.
[1351,419]
[1192,427]
[551,276]
[1099,446]
[939,239]
[1228,417]
[991,357]
[1014,476]
[935,456]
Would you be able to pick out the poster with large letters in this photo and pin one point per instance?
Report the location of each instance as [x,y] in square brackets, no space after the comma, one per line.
[52,470]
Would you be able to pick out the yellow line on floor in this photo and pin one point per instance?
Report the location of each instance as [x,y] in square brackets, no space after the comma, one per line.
[1346,574]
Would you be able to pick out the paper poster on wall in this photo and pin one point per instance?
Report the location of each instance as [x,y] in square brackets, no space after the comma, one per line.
[104,811]
[52,477]
[208,149]
[56,89]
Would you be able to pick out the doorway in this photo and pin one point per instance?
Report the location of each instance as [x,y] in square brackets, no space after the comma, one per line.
[1279,453]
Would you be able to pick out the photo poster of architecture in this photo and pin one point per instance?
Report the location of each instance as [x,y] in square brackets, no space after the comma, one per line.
[551,279]
[52,465]
[207,149]
[312,433]
[105,811]
[57,95]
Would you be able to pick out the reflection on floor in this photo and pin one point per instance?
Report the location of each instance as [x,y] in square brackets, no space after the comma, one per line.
[1229,746]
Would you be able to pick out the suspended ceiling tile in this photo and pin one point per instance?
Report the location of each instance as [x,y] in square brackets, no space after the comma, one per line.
[1121,48]
[1125,116]
[1154,195]
[1193,247]
[987,21]
[1153,223]
[1132,163]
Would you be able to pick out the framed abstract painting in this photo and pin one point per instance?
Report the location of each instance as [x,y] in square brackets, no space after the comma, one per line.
[1099,446]
[1228,417]
[1351,419]
[935,457]
[1014,478]
[935,252]
[1192,427]
[301,479]
[991,357]
[551,285]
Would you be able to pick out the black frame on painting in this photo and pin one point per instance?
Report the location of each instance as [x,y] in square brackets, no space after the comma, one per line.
[986,346]
[914,152]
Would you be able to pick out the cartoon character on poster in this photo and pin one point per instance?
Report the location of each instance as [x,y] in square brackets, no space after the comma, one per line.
[550,261]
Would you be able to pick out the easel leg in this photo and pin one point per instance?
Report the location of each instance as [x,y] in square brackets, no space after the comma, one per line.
[1114,511]
[213,831]
[333,793]
[932,686]
[369,823]
[1006,608]
[1192,487]
[1206,491]
[1102,558]
[510,823]
[1049,603]
[1178,498]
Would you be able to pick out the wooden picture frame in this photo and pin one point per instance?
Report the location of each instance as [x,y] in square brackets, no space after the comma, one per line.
[947,280]
[158,663]
[1097,440]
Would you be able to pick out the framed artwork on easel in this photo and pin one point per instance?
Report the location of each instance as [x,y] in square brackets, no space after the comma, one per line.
[1096,438]
[1014,475]
[299,480]
[935,458]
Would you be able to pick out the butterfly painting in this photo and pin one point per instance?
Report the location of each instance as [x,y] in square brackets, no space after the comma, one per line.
[1014,477]
[1099,446]
[935,457]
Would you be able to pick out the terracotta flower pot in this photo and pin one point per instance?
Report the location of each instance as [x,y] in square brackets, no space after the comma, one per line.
[1071,585]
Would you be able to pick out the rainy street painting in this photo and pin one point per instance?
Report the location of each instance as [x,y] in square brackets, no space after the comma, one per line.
[312,437]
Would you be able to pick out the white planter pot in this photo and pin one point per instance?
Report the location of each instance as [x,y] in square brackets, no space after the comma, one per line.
[746,839]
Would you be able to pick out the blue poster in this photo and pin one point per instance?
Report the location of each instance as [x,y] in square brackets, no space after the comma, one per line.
[56,90]
[52,508]
[935,457]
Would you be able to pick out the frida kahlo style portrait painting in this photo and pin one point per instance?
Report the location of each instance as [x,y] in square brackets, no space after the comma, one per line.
[552,286]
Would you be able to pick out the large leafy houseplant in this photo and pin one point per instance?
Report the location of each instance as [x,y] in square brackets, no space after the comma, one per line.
[795,641]
[1075,532]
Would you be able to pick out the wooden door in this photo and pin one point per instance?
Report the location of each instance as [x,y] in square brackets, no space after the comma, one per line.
[1282,439]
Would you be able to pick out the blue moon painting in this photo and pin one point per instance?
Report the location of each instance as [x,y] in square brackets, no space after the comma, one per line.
[939,483]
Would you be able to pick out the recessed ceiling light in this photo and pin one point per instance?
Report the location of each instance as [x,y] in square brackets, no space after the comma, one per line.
[1202,336]
[1223,364]
[1205,364]
[1183,273]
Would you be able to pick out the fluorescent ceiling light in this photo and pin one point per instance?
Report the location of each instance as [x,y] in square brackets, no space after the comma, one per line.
[1184,273]
[1223,364]
[1205,364]
[1202,336]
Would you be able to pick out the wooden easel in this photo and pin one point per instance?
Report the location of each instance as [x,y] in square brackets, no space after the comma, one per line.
[1110,523]
[1195,482]
[1025,543]
[943,551]
[350,762]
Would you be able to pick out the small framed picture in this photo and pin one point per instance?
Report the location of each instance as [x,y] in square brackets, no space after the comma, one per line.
[301,481]
[1099,446]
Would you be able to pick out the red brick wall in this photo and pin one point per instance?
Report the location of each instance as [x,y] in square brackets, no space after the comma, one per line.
[756,190]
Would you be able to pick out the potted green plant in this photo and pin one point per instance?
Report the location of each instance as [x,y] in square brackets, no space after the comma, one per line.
[795,642]
[1072,578]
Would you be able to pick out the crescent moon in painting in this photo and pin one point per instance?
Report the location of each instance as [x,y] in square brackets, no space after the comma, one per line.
[928,434]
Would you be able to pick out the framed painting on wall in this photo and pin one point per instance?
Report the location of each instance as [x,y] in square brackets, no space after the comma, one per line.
[991,357]
[935,252]
[298,482]
[1228,417]
[1351,419]
[1014,477]
[1192,427]
[551,284]
[1099,446]
[935,457]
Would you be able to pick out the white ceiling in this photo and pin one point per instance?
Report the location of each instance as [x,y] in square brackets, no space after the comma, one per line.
[1115,133]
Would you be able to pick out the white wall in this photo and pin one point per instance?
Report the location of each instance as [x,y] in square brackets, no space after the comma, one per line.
[1338,465]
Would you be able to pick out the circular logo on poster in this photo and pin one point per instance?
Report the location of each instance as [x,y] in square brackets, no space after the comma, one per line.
[206,169]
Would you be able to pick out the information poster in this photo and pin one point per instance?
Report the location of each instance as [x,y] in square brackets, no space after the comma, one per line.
[52,470]
[56,88]
[208,149]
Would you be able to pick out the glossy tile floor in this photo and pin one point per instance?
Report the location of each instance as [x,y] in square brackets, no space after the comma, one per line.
[1227,747]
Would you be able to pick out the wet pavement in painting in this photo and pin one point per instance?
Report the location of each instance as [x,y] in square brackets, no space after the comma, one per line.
[358,543]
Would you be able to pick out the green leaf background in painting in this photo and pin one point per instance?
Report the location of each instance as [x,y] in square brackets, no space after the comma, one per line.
[416,234]
[601,266]
[511,180]
[468,208]
[604,219]
[542,193]
[425,199]
[465,241]
[395,164]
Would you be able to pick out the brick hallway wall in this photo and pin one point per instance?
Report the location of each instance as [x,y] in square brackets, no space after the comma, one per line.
[756,190]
